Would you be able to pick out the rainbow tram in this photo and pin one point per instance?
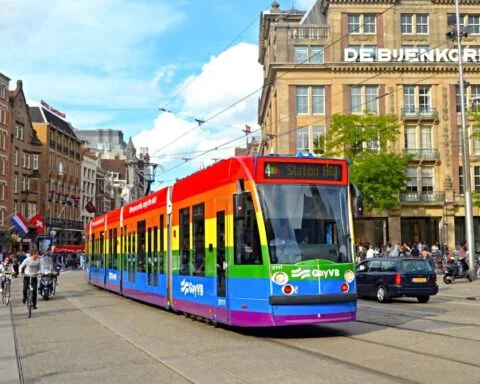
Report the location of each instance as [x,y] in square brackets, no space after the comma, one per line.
[249,241]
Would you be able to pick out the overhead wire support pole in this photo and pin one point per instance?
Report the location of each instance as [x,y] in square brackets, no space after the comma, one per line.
[466,152]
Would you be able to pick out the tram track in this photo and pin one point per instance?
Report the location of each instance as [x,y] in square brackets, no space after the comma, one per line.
[18,357]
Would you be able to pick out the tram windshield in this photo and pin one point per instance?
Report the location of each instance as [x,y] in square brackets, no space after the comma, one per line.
[306,222]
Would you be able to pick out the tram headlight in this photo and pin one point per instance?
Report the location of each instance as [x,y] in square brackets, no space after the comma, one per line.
[280,278]
[349,276]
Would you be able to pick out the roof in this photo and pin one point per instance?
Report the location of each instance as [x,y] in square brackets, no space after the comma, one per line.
[42,115]
[115,165]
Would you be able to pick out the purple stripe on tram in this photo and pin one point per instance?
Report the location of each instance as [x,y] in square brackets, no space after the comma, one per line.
[256,319]
[148,297]
[112,287]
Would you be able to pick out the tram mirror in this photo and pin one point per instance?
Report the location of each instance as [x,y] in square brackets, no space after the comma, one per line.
[240,206]
[357,202]
[210,247]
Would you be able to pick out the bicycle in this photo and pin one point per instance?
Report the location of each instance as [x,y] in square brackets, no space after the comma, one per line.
[6,288]
[30,296]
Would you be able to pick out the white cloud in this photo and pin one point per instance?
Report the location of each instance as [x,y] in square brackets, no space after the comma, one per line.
[225,80]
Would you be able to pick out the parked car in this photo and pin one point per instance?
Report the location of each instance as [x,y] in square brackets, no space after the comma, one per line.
[389,277]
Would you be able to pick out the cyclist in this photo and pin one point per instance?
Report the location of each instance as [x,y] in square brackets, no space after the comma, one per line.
[5,266]
[30,268]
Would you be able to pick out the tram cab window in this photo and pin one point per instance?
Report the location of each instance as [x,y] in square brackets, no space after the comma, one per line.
[247,239]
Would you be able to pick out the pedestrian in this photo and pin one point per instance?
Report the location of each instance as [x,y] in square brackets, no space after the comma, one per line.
[370,252]
[429,258]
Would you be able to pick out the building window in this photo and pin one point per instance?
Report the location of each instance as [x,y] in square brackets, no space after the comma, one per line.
[412,180]
[318,100]
[302,139]
[472,97]
[302,100]
[3,115]
[476,180]
[476,140]
[309,54]
[362,23]
[410,137]
[35,162]
[460,181]
[15,183]
[19,132]
[471,23]
[427,180]
[319,139]
[425,137]
[414,24]
[364,98]
[417,99]
[4,161]
[3,91]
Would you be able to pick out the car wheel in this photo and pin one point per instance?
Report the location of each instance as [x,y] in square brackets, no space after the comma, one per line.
[423,299]
[382,294]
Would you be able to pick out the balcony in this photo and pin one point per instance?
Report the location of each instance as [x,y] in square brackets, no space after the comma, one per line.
[419,113]
[308,33]
[422,198]
[423,154]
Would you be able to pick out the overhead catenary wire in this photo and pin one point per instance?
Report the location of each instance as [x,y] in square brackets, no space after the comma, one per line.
[324,118]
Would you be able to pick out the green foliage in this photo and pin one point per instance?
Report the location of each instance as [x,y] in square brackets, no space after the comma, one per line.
[476,198]
[380,175]
[347,133]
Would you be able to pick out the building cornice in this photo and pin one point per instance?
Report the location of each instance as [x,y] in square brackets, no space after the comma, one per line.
[374,2]
[375,67]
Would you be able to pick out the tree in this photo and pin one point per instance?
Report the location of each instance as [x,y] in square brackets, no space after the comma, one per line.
[364,141]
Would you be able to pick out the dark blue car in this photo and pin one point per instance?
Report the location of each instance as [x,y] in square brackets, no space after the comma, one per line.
[389,277]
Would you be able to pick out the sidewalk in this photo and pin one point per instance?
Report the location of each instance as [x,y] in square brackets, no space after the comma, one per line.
[460,289]
[8,368]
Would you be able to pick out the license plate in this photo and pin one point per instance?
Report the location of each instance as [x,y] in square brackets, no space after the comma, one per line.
[419,280]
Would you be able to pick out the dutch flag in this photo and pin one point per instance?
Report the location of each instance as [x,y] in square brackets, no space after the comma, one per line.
[19,222]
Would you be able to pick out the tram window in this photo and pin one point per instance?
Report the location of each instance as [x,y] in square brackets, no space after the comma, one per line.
[114,249]
[198,213]
[154,243]
[102,249]
[108,256]
[184,250]
[247,239]
[221,253]
[161,254]
[141,233]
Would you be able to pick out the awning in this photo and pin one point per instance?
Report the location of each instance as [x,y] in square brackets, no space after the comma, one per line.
[71,248]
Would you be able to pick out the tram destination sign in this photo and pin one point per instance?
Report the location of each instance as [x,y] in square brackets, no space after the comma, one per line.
[305,171]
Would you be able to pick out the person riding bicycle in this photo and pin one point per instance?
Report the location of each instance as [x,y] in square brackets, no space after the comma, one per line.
[5,266]
[30,269]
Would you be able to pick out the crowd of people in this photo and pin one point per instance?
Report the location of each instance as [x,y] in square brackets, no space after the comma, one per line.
[31,264]
[421,249]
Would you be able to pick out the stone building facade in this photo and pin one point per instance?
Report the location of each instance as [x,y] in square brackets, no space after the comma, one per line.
[60,175]
[387,56]
[25,159]
[4,154]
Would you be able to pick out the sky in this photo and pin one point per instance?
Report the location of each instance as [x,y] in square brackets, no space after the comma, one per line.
[150,68]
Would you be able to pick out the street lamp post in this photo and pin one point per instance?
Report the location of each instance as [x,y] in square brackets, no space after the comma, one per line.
[466,151]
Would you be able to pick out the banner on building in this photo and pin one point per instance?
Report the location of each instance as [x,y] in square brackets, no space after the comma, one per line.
[37,221]
[90,208]
[19,222]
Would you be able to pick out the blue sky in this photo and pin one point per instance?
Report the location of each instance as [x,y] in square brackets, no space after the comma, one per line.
[114,63]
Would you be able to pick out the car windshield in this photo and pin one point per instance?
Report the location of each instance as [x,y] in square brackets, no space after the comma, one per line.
[306,222]
[416,266]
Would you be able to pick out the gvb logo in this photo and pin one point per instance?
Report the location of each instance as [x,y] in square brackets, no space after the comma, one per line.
[302,273]
[187,287]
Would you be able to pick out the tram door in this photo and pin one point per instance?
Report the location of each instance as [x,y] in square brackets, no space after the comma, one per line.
[221,260]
